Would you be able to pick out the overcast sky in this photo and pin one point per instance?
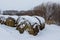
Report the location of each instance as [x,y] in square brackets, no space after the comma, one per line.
[22,4]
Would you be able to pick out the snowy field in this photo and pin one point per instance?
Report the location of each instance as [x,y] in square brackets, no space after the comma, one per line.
[51,32]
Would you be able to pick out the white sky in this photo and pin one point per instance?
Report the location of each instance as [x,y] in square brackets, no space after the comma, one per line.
[21,4]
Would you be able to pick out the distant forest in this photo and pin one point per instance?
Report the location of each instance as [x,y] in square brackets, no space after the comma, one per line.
[50,11]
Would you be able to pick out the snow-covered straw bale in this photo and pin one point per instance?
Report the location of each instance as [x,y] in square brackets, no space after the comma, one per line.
[9,19]
[22,24]
[41,21]
[4,17]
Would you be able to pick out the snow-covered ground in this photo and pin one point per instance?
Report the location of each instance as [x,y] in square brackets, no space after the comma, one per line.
[51,32]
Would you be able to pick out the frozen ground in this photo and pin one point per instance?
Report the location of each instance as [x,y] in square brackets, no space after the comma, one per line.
[51,32]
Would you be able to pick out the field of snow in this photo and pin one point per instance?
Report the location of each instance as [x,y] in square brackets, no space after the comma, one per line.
[51,32]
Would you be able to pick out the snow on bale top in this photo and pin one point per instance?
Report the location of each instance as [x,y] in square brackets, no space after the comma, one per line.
[6,16]
[20,20]
[41,19]
[14,16]
[31,19]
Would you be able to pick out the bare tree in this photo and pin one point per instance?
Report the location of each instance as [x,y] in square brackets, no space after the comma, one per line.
[52,12]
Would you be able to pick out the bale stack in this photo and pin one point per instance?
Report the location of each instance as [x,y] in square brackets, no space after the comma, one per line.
[31,24]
